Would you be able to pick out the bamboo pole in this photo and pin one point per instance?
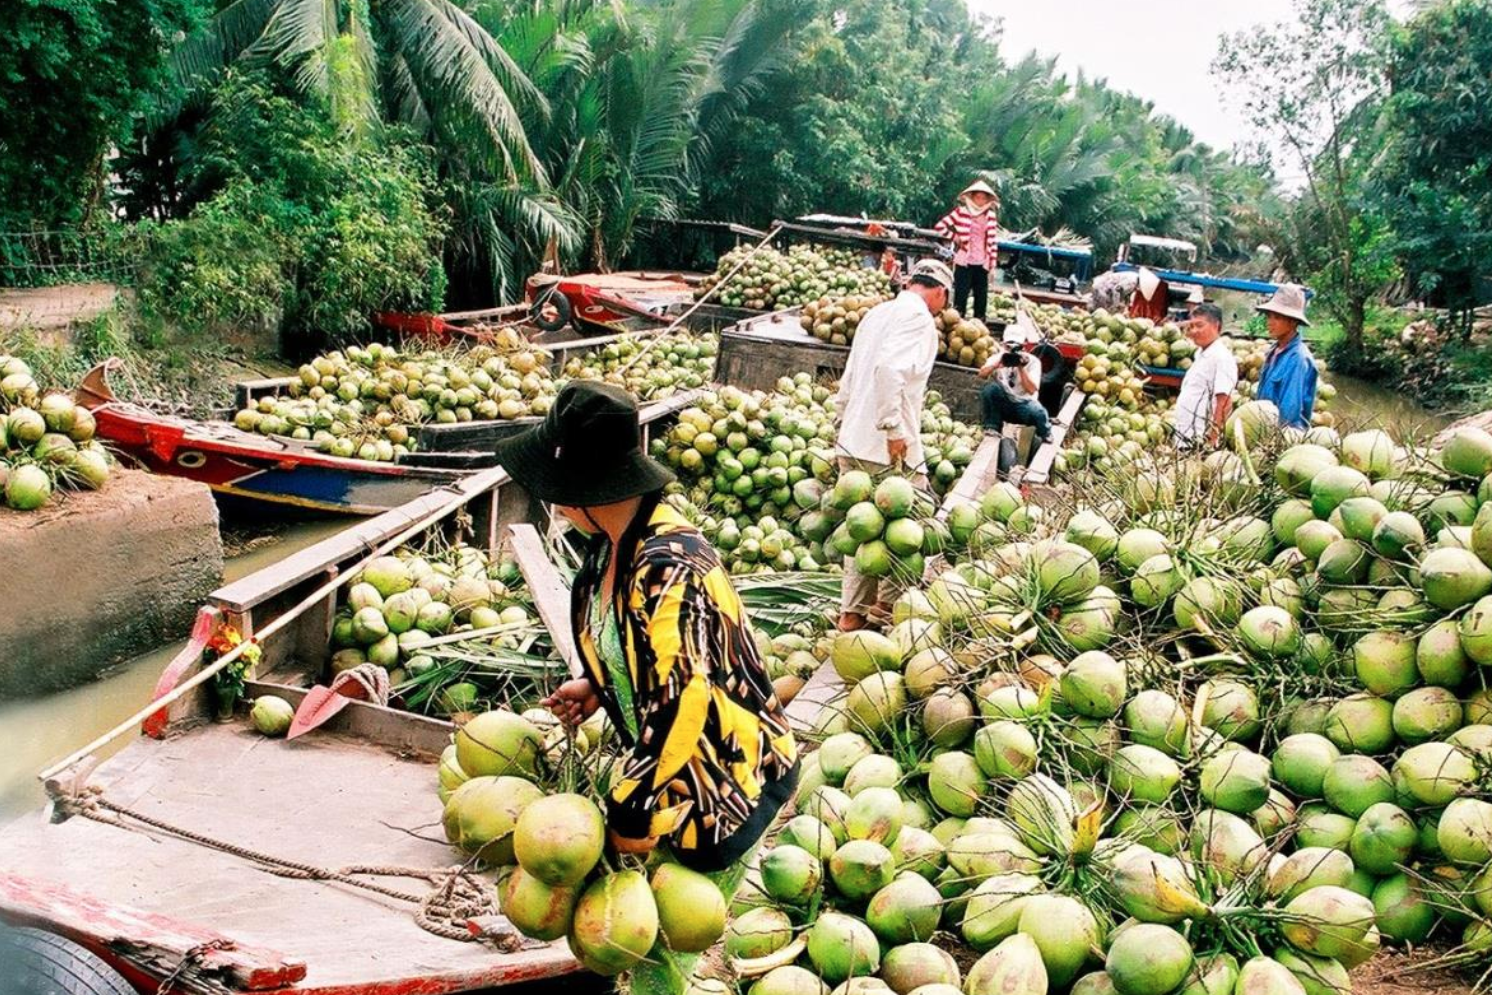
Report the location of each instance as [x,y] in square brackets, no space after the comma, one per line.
[202,676]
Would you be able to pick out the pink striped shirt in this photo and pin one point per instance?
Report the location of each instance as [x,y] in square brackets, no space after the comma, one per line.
[975,234]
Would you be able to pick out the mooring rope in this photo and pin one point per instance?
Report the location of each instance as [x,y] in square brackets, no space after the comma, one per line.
[458,897]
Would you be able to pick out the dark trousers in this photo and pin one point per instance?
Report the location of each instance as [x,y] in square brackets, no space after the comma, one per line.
[965,279]
[1000,406]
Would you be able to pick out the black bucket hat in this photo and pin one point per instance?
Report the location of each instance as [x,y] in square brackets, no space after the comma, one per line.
[587,451]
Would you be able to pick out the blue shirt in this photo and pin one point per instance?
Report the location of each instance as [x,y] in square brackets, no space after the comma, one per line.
[1289,380]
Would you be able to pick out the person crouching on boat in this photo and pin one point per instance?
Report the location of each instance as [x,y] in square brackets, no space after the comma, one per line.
[668,653]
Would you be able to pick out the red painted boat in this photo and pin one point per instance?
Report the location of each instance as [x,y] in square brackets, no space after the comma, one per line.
[246,465]
[607,303]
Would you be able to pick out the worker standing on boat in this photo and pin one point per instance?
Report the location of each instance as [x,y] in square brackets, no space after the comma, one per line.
[1206,395]
[668,653]
[880,409]
[1288,379]
[975,231]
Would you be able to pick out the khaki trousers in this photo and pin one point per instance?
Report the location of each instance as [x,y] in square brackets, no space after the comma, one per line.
[858,594]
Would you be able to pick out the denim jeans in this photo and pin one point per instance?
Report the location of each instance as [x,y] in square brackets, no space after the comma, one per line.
[1000,406]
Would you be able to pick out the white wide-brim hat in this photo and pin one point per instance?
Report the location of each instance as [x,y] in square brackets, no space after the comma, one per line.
[1289,300]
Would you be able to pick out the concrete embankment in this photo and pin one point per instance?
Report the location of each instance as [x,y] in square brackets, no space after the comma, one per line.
[101,576]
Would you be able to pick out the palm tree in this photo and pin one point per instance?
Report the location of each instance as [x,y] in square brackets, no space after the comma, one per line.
[424,66]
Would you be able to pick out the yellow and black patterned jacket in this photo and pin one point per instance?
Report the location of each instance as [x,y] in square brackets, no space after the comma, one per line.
[714,758]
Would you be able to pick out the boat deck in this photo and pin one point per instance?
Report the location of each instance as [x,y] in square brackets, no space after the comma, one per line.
[327,799]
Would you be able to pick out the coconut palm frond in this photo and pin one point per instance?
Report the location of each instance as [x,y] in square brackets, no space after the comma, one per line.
[296,37]
[454,73]
[203,56]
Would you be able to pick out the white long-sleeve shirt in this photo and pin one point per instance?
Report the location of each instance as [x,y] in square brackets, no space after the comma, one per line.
[880,394]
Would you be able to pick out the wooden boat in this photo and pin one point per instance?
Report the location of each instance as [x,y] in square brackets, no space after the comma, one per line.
[247,465]
[156,894]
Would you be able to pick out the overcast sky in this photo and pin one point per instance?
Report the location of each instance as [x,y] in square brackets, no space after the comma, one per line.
[1161,50]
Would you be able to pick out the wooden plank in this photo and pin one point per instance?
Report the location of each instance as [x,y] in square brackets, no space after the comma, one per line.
[255,589]
[976,478]
[823,689]
[245,392]
[1040,470]
[551,595]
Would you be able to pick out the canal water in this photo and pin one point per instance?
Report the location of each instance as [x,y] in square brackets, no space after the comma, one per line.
[46,728]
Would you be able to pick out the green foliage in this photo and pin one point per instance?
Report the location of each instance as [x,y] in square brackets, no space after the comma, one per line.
[1312,90]
[1435,177]
[73,73]
[307,222]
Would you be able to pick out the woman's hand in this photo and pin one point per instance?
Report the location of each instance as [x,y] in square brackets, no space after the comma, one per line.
[623,844]
[573,701]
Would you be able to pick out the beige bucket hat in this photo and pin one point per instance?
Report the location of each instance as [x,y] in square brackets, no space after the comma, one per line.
[979,186]
[934,270]
[1288,300]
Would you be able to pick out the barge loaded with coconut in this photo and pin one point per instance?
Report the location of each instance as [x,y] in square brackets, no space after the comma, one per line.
[211,855]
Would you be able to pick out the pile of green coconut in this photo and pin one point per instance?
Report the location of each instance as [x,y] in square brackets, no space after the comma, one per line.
[46,442]
[1212,725]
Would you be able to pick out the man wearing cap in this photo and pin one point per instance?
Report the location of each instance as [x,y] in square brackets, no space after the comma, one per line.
[1207,389]
[880,407]
[975,233]
[1288,379]
[1010,396]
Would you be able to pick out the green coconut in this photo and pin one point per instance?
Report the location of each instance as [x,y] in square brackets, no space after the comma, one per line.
[1156,581]
[1335,484]
[1156,719]
[1361,723]
[919,851]
[873,814]
[1318,826]
[842,947]
[691,908]
[558,839]
[481,815]
[857,655]
[1235,781]
[828,805]
[1404,915]
[537,910]
[1434,774]
[1345,561]
[1385,663]
[1138,545]
[1143,773]
[498,742]
[1397,535]
[994,908]
[1148,959]
[787,980]
[790,874]
[1355,783]
[878,700]
[1154,887]
[1306,868]
[1065,933]
[1270,631]
[1094,685]
[860,868]
[1425,714]
[1229,708]
[1208,602]
[615,924]
[1475,631]
[1288,518]
[948,718]
[1300,762]
[1327,921]
[906,910]
[955,783]
[757,933]
[1468,453]
[1005,750]
[271,715]
[1014,967]
[1066,572]
[1383,839]
[1314,537]
[1044,813]
[1089,529]
[930,668]
[1451,578]
[839,753]
[1299,465]
[1464,831]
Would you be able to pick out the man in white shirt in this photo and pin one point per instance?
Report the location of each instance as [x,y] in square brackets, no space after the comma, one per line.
[1015,380]
[1207,389]
[880,407]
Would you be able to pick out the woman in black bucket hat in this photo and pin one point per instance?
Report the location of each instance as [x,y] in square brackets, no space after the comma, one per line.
[668,653]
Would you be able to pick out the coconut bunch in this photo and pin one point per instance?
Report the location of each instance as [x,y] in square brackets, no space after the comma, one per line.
[548,847]
[964,341]
[46,442]
[833,319]
[887,526]
[366,402]
[758,470]
[401,604]
[768,280]
[650,368]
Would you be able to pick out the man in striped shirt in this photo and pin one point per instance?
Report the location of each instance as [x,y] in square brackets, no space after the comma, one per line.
[975,233]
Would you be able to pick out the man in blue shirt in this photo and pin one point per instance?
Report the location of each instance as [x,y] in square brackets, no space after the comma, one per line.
[1289,375]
